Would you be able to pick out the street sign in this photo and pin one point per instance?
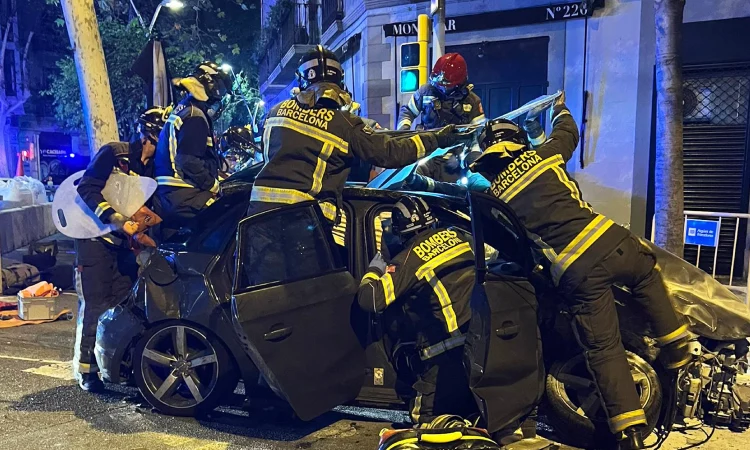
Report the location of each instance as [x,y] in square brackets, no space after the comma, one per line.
[702,232]
[500,19]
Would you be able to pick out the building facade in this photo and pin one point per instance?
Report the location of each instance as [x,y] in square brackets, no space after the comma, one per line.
[31,132]
[602,58]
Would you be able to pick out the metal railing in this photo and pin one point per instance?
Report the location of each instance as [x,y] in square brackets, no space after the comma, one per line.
[301,26]
[332,10]
[726,218]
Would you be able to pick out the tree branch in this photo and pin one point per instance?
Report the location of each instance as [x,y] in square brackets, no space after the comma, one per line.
[24,73]
[2,62]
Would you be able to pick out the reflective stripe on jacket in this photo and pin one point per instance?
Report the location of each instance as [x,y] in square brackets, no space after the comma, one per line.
[310,151]
[432,278]
[548,202]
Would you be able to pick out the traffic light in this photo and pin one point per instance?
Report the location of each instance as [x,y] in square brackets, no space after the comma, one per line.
[413,66]
[409,80]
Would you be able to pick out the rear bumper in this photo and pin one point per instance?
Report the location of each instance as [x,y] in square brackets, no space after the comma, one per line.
[116,332]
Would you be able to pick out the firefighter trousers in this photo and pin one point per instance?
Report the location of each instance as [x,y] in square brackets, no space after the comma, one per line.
[597,328]
[442,388]
[176,207]
[104,276]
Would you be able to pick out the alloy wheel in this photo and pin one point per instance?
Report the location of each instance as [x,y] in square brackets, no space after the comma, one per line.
[179,366]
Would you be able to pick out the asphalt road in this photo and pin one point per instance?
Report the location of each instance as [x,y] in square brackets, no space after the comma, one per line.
[42,408]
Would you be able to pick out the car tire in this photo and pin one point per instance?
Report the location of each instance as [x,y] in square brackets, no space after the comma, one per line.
[182,369]
[568,398]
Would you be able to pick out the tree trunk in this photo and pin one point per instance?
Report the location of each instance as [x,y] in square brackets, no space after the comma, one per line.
[98,109]
[668,180]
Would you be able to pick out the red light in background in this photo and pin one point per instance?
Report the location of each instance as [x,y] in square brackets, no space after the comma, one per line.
[25,154]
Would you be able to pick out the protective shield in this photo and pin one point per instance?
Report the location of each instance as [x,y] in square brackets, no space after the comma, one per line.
[73,218]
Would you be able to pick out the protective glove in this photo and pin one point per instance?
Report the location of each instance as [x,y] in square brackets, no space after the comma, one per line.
[446,136]
[558,109]
[378,263]
[535,131]
[145,218]
[123,223]
[416,182]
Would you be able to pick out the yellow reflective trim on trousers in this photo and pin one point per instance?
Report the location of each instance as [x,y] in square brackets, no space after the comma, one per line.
[445,257]
[369,276]
[522,182]
[320,168]
[103,206]
[673,336]
[574,192]
[579,245]
[622,421]
[388,290]
[172,181]
[445,300]
[419,144]
[310,131]
[268,194]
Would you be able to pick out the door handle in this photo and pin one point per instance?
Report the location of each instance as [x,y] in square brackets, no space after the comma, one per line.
[277,335]
[507,330]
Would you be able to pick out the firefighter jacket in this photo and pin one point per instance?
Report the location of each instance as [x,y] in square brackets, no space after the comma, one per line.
[431,280]
[309,151]
[438,111]
[536,185]
[115,157]
[185,156]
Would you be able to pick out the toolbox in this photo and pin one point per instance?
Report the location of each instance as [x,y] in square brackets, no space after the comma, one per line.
[38,308]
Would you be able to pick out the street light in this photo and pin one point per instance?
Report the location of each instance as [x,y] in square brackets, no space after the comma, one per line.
[170,4]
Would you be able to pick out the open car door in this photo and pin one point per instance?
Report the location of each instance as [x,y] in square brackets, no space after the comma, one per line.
[292,306]
[503,345]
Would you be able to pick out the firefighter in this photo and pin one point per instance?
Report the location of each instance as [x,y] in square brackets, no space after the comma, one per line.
[446,99]
[106,267]
[430,281]
[310,143]
[238,148]
[186,163]
[587,254]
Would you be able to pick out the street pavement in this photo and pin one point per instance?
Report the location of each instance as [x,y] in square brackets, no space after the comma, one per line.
[42,408]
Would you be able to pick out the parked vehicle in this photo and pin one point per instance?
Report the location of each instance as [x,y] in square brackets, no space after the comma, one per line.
[177,333]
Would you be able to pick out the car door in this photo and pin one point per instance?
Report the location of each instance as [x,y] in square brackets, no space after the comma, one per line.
[292,306]
[503,345]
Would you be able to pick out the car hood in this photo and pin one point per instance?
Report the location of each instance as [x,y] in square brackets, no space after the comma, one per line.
[712,310]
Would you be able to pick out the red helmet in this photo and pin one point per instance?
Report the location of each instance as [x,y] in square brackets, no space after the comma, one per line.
[449,72]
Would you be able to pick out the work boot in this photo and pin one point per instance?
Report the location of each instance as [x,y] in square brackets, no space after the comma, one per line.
[632,438]
[90,382]
[676,355]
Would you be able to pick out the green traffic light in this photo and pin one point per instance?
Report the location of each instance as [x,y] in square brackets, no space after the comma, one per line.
[409,80]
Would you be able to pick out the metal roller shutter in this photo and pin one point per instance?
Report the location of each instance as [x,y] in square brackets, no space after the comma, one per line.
[715,156]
